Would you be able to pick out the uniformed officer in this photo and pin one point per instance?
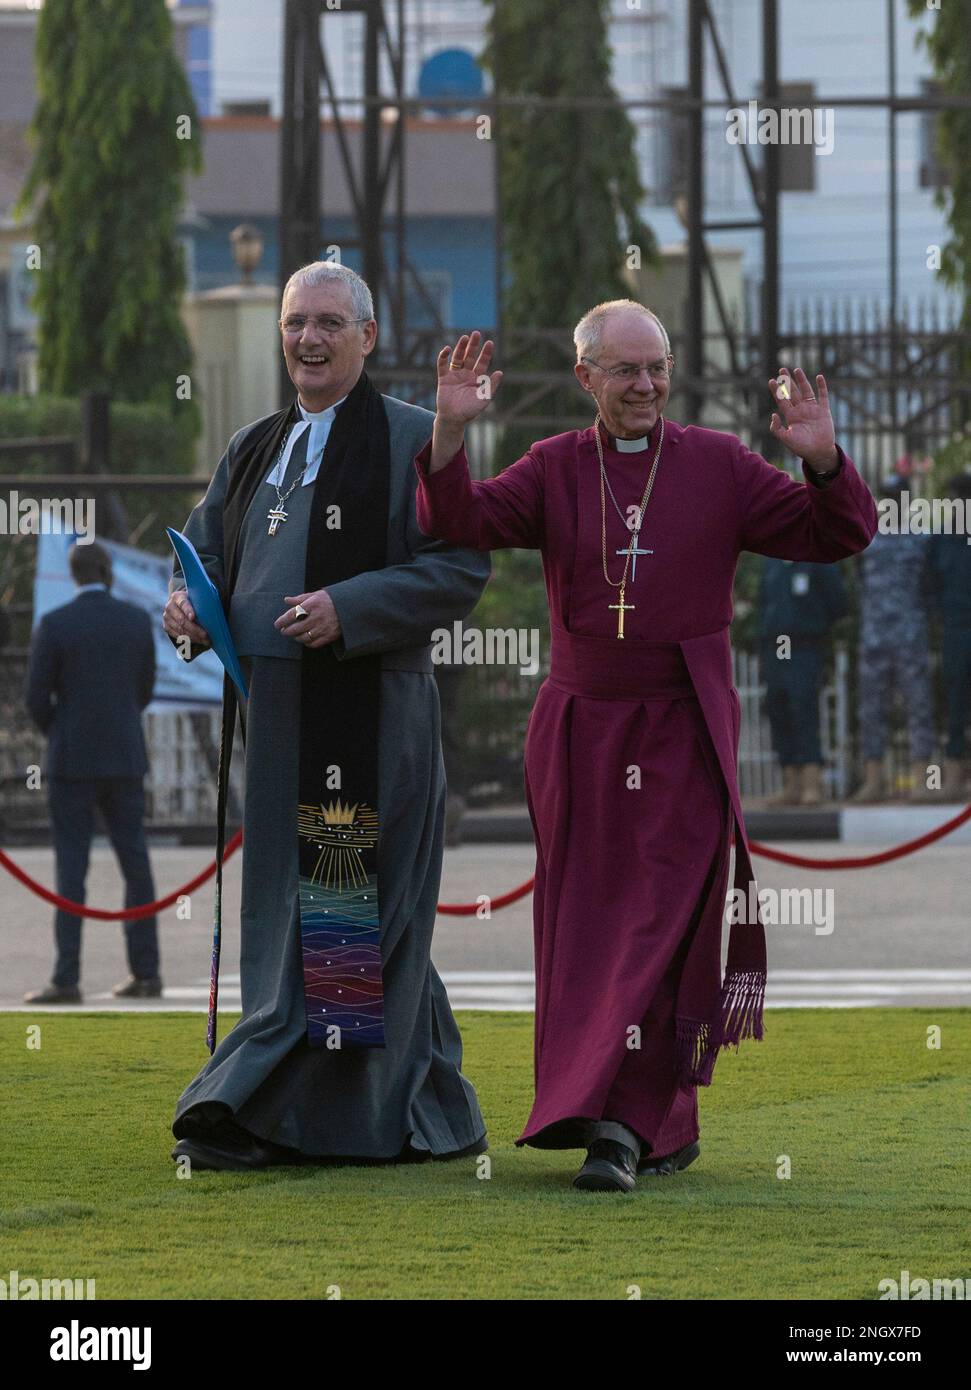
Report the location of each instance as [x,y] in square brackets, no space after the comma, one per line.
[950,555]
[894,651]
[801,602]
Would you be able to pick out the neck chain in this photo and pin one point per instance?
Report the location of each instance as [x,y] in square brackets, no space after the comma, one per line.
[276,514]
[621,583]
[617,504]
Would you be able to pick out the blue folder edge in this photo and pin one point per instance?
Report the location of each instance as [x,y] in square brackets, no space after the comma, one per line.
[204,597]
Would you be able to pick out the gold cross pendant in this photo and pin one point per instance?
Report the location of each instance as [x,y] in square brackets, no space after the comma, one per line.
[622,608]
[274,516]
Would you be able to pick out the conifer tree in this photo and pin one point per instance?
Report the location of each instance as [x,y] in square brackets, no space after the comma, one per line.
[115,130]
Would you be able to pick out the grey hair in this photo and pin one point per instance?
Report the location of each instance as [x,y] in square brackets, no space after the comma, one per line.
[320,272]
[588,334]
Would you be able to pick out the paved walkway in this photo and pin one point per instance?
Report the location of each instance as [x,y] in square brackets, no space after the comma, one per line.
[899,933]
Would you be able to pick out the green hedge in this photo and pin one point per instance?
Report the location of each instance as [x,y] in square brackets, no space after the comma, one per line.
[143,438]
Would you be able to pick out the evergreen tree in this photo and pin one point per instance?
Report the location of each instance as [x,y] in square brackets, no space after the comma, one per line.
[569,192]
[948,43]
[114,131]
[569,188]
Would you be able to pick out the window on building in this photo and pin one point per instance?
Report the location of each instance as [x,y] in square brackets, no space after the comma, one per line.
[797,153]
[246,108]
[931,172]
[671,150]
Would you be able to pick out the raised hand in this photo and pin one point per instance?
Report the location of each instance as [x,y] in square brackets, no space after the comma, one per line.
[465,386]
[808,431]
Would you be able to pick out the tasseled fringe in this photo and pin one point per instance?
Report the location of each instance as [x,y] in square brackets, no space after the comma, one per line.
[742,1002]
[740,1010]
[696,1054]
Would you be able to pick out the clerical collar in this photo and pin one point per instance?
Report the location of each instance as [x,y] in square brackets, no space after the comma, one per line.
[630,446]
[327,414]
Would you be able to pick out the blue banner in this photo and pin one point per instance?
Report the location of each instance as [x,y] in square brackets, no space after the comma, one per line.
[142,579]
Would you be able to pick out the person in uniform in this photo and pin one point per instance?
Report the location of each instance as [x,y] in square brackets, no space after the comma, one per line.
[894,653]
[800,602]
[951,580]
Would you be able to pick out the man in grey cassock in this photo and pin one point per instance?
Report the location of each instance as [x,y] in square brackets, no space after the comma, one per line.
[277,1088]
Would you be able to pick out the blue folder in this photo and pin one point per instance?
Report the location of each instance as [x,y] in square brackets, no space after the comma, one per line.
[204,597]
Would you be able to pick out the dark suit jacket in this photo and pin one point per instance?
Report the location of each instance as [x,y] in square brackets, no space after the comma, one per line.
[91,673]
[810,614]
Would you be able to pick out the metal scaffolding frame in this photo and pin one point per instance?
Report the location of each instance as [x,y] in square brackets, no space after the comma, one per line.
[381,225]
[305,69]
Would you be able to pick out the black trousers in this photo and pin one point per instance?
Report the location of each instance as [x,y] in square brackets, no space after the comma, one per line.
[792,701]
[73,803]
[956,673]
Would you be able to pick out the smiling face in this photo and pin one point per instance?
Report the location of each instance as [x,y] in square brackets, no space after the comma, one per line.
[324,366]
[629,409]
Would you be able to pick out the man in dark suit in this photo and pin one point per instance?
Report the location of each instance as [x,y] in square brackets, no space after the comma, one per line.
[92,672]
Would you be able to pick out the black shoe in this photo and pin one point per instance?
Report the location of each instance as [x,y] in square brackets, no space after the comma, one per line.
[134,988]
[229,1148]
[54,994]
[610,1167]
[670,1163]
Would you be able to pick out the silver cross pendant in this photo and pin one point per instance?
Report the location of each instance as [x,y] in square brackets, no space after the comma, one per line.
[634,551]
[274,516]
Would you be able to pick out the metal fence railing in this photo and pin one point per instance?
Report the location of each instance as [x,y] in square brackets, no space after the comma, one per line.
[493,711]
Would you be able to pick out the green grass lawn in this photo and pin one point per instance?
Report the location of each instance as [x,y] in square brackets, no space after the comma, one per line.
[873,1121]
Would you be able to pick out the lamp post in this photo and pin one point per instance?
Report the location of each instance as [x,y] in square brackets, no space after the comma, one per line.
[247,244]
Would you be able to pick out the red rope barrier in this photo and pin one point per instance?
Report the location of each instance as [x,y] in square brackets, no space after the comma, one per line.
[470,909]
[865,861]
[126,914]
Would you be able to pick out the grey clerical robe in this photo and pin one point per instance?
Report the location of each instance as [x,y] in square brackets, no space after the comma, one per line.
[411,1096]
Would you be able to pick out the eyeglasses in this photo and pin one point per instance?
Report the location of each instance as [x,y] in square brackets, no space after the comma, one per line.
[660,371]
[327,323]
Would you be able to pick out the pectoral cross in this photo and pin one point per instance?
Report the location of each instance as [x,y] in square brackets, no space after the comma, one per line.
[274,516]
[622,608]
[634,552]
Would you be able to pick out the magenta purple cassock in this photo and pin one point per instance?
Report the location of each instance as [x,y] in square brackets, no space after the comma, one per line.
[631,756]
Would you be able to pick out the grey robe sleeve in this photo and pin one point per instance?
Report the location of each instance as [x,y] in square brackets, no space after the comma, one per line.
[400,605]
[204,529]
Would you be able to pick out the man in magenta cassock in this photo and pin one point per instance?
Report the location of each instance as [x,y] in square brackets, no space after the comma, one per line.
[631,747]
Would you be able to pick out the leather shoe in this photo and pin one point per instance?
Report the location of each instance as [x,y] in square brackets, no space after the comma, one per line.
[134,988]
[609,1167]
[670,1163]
[54,994]
[229,1148]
